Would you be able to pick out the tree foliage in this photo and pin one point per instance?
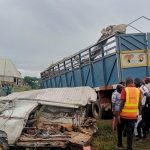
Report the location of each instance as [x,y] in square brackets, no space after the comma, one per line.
[33,82]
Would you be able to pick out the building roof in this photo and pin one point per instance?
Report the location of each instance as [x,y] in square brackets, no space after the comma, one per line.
[7,68]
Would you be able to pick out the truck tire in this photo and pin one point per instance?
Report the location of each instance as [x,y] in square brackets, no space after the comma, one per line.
[96,110]
[88,112]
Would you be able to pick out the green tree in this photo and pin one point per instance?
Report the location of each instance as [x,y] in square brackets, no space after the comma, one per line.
[33,82]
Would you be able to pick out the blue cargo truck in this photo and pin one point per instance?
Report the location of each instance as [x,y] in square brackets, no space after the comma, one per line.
[101,66]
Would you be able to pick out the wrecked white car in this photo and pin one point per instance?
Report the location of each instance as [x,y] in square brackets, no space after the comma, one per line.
[46,118]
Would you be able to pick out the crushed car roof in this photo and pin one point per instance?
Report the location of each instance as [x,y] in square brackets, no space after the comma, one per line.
[64,97]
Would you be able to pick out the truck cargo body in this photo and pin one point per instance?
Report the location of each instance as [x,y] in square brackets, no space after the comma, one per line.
[103,65]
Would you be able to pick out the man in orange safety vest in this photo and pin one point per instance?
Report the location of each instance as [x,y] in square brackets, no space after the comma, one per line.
[127,116]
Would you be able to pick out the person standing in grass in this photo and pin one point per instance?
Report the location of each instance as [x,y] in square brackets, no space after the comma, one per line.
[140,125]
[116,104]
[127,115]
[146,108]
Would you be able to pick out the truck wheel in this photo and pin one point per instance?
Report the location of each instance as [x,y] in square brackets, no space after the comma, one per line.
[96,110]
[88,112]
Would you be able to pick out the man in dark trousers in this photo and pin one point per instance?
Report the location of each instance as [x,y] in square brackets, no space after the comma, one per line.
[127,116]
[146,109]
[142,126]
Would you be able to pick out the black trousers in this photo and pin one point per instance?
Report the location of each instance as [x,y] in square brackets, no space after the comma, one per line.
[146,119]
[141,129]
[129,124]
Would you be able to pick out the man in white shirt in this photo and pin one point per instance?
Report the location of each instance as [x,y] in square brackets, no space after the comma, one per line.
[144,122]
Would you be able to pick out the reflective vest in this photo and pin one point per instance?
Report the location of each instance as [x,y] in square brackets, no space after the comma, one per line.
[130,109]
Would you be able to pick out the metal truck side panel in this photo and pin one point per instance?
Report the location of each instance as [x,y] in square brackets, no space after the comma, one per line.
[63,79]
[48,83]
[87,76]
[110,68]
[98,73]
[139,72]
[44,84]
[132,41]
[101,64]
[77,75]
[148,42]
[53,82]
[70,79]
[58,81]
[148,67]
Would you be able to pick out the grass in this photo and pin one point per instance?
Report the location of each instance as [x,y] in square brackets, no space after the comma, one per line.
[20,88]
[105,139]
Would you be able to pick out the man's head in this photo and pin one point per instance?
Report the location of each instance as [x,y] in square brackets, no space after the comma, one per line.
[119,88]
[129,81]
[137,82]
[122,83]
[147,80]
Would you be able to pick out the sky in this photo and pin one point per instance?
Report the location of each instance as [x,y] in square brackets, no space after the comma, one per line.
[35,33]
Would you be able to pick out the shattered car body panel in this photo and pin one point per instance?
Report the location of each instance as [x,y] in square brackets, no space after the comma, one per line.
[13,119]
[47,117]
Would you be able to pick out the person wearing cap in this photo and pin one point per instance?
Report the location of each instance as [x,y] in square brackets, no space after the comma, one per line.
[127,116]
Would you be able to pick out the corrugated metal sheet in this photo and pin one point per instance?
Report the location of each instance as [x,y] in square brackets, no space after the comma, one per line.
[13,119]
[65,97]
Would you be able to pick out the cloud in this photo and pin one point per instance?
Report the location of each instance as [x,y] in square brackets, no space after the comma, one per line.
[32,73]
[35,33]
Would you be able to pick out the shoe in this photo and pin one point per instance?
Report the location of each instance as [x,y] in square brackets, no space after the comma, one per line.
[119,148]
